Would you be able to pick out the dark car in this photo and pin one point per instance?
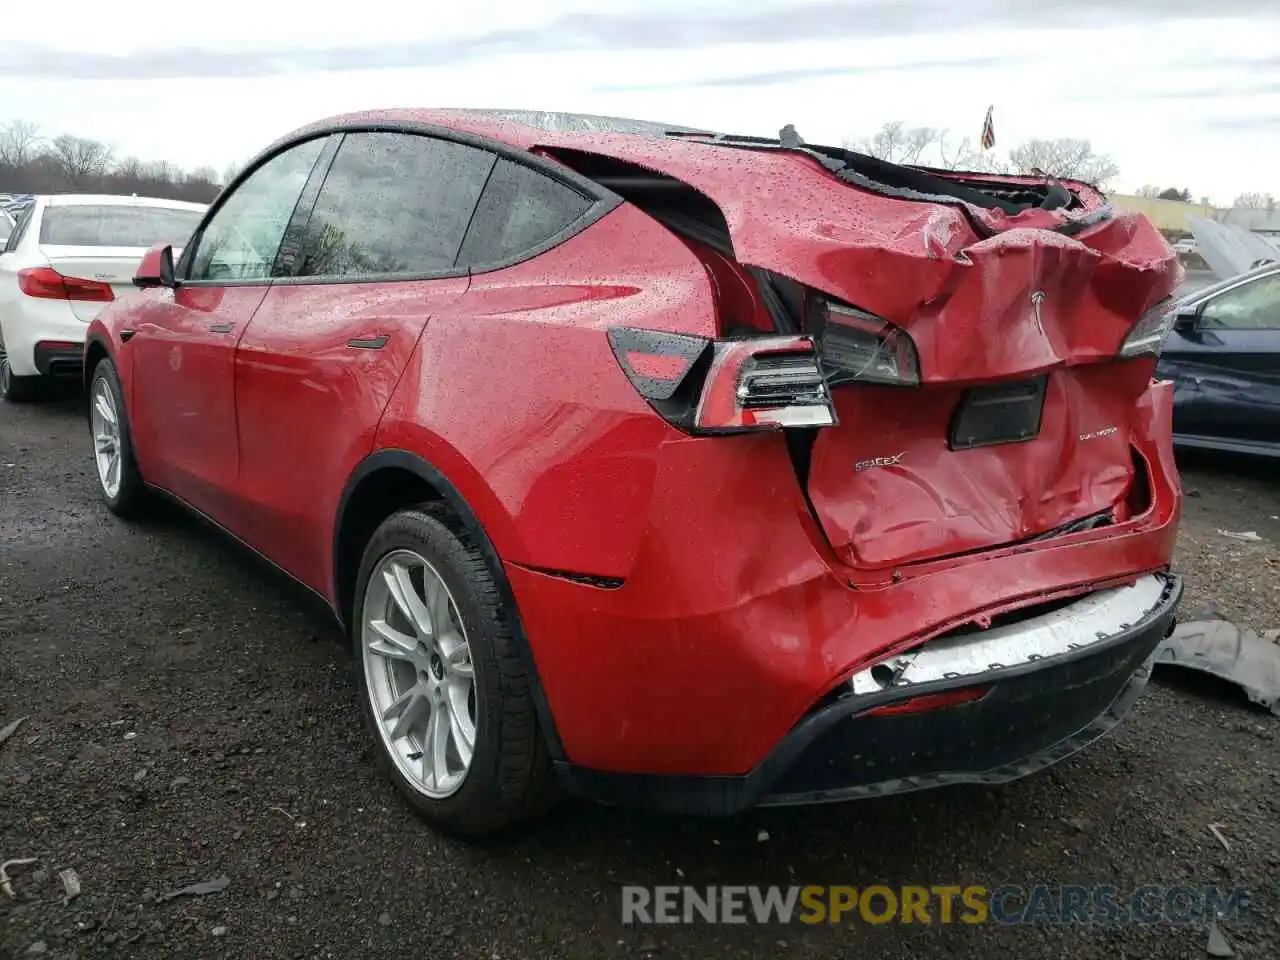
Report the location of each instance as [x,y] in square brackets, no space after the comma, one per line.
[1223,355]
[693,471]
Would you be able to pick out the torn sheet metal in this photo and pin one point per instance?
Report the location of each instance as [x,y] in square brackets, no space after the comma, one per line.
[1223,650]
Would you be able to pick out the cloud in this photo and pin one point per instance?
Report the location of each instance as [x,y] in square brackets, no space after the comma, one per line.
[746,22]
[1263,122]
[771,78]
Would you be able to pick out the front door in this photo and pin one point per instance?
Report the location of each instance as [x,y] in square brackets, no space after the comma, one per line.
[183,398]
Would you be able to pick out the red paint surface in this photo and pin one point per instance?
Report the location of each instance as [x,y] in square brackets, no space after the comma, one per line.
[738,610]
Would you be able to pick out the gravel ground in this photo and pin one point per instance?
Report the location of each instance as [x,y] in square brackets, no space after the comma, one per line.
[192,716]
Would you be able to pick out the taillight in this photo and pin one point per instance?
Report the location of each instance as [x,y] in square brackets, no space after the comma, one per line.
[48,284]
[859,347]
[726,386]
[1147,336]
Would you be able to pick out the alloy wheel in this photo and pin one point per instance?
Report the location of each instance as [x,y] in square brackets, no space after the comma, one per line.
[5,372]
[104,419]
[418,674]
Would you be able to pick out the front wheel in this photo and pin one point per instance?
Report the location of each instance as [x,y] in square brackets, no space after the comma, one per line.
[447,695]
[119,480]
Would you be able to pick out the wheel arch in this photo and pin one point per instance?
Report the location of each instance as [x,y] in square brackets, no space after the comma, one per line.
[386,481]
[96,349]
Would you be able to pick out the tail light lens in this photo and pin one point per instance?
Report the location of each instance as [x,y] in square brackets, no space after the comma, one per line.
[1147,336]
[859,347]
[726,386]
[45,283]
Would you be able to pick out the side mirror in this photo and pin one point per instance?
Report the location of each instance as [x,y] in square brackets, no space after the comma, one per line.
[156,268]
[1185,321]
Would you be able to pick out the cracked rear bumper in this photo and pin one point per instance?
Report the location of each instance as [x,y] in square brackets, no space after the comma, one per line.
[1063,679]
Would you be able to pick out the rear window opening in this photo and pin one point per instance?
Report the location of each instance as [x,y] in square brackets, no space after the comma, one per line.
[698,220]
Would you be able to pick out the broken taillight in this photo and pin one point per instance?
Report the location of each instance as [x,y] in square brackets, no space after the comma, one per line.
[1147,336]
[726,386]
[859,347]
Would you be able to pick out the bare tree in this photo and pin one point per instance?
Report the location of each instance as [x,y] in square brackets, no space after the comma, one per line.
[1255,201]
[897,143]
[232,171]
[1067,157]
[965,155]
[80,159]
[19,143]
[1149,190]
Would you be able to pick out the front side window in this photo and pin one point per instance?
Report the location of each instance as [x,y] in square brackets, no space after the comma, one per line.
[1251,306]
[241,240]
[117,225]
[521,209]
[393,204]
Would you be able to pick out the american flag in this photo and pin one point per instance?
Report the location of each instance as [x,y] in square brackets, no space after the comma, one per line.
[988,131]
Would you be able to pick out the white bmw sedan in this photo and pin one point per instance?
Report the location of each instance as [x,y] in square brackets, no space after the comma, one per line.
[68,256]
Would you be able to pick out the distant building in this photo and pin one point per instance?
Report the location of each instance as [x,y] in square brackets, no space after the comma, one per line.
[1169,216]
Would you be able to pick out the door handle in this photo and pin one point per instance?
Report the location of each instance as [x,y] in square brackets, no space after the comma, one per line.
[368,343]
[222,328]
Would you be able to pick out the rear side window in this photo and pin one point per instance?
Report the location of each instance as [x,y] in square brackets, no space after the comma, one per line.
[521,209]
[393,204]
[112,225]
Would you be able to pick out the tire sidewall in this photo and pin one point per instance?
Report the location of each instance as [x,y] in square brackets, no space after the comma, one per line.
[426,535]
[130,481]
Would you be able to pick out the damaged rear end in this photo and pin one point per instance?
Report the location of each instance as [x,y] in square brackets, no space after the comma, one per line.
[960,362]
[924,405]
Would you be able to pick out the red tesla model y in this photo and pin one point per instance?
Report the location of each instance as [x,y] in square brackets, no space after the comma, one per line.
[669,467]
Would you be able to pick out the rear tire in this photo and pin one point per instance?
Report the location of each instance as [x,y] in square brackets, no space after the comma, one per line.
[507,777]
[119,480]
[14,388]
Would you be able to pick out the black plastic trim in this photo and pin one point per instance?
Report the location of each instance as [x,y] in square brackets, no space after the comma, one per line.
[55,361]
[720,795]
[202,516]
[405,460]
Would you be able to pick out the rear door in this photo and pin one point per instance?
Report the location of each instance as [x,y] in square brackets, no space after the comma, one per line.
[183,388]
[317,365]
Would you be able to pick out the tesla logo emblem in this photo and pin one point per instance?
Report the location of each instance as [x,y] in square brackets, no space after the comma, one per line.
[1037,298]
[878,462]
[102,276]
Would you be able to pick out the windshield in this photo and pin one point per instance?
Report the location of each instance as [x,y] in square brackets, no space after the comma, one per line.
[117,225]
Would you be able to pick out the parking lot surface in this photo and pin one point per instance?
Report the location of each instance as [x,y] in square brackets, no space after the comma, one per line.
[192,716]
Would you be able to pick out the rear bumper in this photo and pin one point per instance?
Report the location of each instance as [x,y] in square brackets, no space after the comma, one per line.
[731,624]
[43,321]
[1024,716]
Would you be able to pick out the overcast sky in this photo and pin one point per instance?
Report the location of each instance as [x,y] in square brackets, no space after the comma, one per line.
[1180,93]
